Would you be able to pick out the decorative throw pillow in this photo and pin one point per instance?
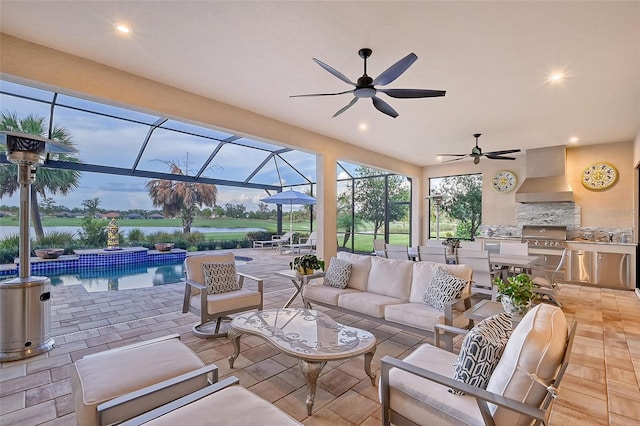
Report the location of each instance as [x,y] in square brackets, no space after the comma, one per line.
[338,273]
[220,277]
[481,350]
[443,288]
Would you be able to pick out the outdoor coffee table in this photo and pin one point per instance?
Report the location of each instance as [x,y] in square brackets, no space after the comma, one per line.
[308,335]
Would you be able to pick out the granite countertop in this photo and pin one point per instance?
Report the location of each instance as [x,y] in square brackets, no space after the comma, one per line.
[603,243]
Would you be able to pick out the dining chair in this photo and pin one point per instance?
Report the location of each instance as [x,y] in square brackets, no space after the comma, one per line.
[378,247]
[517,248]
[548,286]
[434,243]
[471,245]
[397,251]
[483,273]
[432,254]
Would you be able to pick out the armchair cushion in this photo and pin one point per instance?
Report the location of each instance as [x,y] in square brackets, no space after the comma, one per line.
[220,277]
[443,288]
[338,273]
[481,350]
[536,348]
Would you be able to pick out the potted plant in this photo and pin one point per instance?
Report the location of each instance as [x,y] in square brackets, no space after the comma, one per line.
[452,244]
[516,293]
[306,264]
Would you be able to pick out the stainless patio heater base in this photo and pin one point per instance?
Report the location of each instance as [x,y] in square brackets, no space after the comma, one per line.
[25,302]
[25,326]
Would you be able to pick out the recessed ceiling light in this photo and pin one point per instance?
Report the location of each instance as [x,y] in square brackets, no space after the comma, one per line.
[574,139]
[556,76]
[123,28]
[363,127]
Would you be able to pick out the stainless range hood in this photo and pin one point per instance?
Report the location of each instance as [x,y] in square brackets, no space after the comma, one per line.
[545,181]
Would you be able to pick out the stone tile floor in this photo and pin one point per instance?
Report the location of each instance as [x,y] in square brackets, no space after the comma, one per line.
[601,385]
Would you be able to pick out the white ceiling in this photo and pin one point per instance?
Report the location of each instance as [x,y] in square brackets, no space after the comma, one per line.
[492,58]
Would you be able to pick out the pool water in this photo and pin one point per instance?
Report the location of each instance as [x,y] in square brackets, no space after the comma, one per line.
[125,277]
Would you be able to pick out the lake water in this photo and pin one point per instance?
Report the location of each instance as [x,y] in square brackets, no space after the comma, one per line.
[124,230]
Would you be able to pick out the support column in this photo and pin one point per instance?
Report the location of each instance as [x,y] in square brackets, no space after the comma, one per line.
[327,205]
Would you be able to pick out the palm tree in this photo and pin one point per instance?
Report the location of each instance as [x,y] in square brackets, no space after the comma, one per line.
[53,180]
[181,197]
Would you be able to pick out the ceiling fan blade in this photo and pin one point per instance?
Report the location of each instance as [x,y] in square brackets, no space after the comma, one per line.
[395,70]
[384,107]
[334,71]
[498,157]
[455,159]
[412,93]
[508,151]
[343,109]
[451,155]
[321,94]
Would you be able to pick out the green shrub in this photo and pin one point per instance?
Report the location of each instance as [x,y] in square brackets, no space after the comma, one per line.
[194,237]
[136,237]
[8,255]
[259,236]
[229,244]
[244,243]
[55,239]
[161,237]
[10,242]
[206,245]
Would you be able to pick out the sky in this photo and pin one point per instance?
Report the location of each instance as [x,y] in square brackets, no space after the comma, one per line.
[114,142]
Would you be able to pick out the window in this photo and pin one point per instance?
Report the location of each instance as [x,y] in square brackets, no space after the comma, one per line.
[459,212]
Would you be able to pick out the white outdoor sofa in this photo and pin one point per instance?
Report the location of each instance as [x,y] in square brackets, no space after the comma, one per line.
[390,291]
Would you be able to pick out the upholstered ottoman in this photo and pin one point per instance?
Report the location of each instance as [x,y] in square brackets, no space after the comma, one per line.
[157,372]
[230,406]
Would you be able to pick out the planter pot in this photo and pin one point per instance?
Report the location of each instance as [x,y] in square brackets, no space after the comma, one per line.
[509,306]
[52,253]
[304,271]
[164,246]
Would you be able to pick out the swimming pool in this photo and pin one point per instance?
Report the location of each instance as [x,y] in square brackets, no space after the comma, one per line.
[107,276]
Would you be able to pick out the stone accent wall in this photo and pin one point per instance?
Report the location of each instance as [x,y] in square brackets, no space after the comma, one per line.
[540,214]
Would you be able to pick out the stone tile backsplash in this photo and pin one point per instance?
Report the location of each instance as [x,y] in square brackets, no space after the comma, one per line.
[558,214]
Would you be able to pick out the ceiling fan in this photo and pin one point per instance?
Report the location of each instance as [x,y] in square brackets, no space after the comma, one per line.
[476,153]
[365,87]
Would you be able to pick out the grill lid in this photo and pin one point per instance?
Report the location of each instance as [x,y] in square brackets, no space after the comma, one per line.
[542,232]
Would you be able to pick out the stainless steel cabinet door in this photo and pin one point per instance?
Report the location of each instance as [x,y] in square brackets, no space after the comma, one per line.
[612,269]
[581,266]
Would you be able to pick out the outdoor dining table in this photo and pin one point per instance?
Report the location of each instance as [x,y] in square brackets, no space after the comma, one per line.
[506,261]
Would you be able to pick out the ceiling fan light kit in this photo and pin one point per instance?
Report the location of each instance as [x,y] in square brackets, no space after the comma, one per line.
[476,153]
[365,86]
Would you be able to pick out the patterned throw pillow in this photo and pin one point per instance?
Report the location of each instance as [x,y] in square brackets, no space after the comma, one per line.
[443,288]
[338,273]
[481,350]
[220,277]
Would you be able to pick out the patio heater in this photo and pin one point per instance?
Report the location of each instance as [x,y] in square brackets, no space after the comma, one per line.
[436,199]
[25,301]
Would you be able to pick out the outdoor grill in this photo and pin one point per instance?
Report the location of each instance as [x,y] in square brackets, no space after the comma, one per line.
[548,243]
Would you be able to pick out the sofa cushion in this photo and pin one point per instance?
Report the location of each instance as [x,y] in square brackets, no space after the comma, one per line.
[390,277]
[324,294]
[338,273]
[367,303]
[420,315]
[220,277]
[536,346]
[425,402]
[360,267]
[443,288]
[481,350]
[423,272]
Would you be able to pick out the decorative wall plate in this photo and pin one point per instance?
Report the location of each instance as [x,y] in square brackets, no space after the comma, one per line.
[599,176]
[504,181]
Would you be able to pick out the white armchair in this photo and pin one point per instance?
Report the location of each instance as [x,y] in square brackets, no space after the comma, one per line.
[520,390]
[201,299]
